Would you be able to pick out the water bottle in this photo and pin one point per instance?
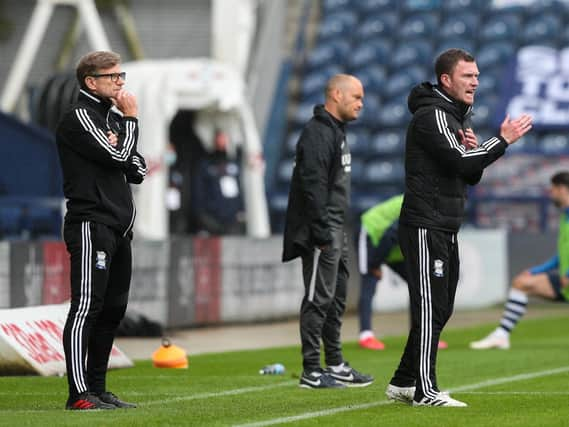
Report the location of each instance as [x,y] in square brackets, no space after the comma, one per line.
[274,369]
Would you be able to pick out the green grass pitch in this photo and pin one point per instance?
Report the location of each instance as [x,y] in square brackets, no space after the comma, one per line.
[525,386]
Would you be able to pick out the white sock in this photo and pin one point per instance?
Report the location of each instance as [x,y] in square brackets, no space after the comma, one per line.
[366,334]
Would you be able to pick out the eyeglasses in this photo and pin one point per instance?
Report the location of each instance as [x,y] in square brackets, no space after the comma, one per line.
[114,76]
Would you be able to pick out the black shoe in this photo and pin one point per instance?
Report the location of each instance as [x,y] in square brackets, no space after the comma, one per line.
[349,376]
[86,402]
[319,379]
[112,399]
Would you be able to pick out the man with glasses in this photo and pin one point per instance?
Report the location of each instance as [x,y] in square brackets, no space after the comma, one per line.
[96,141]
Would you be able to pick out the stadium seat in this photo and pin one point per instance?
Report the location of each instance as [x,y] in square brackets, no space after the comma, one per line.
[303,113]
[542,29]
[387,143]
[369,52]
[413,6]
[554,143]
[384,172]
[489,83]
[392,115]
[373,78]
[367,7]
[284,171]
[412,52]
[422,25]
[291,141]
[357,173]
[358,140]
[449,43]
[504,26]
[459,26]
[43,221]
[451,7]
[315,81]
[339,24]
[10,221]
[332,6]
[376,26]
[495,54]
[484,108]
[401,82]
[368,116]
[327,53]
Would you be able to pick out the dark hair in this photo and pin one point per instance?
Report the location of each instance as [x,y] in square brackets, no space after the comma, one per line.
[447,60]
[93,62]
[561,178]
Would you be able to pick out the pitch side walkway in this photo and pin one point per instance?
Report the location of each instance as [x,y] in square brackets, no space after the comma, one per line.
[264,335]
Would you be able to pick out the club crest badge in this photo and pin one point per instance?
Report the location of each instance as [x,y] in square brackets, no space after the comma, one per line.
[101,263]
[438,271]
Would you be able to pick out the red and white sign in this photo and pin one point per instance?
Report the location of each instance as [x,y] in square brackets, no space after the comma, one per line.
[31,341]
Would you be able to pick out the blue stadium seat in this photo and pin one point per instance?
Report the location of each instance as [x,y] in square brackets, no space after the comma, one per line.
[495,54]
[367,7]
[459,26]
[451,7]
[413,6]
[339,24]
[332,6]
[387,143]
[357,173]
[412,52]
[484,108]
[422,25]
[303,113]
[368,116]
[291,141]
[375,26]
[284,170]
[401,82]
[392,115]
[542,29]
[327,53]
[527,144]
[43,221]
[503,26]
[370,52]
[554,143]
[315,81]
[373,78]
[489,83]
[384,172]
[466,44]
[358,140]
[10,221]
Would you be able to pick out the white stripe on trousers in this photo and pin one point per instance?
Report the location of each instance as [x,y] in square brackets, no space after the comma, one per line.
[312,286]
[426,316]
[78,370]
[362,251]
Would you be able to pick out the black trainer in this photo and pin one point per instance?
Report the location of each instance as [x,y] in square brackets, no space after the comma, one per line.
[349,376]
[111,398]
[87,402]
[319,379]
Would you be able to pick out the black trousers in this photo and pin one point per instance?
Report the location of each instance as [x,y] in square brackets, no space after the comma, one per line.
[325,273]
[101,265]
[432,262]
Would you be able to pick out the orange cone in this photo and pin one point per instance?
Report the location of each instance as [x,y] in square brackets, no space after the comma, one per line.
[169,356]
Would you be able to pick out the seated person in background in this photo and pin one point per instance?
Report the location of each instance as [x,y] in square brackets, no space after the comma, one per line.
[378,244]
[216,192]
[549,280]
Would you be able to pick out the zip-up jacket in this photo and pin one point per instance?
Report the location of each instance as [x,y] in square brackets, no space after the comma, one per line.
[96,175]
[437,166]
[320,187]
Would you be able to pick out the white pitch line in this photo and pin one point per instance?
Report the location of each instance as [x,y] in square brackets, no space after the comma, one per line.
[332,411]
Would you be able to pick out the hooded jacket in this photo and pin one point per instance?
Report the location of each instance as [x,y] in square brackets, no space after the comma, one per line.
[437,166]
[96,175]
[320,187]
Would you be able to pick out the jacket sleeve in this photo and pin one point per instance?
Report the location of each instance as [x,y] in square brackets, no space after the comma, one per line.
[135,169]
[315,159]
[437,138]
[88,137]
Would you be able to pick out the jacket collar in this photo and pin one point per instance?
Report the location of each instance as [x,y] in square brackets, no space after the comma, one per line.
[101,104]
[461,108]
